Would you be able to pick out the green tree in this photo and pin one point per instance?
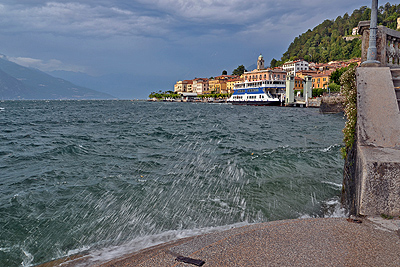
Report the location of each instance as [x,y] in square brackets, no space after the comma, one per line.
[239,70]
[224,72]
[273,63]
[335,76]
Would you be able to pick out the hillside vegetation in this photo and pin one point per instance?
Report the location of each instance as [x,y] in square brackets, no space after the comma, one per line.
[325,42]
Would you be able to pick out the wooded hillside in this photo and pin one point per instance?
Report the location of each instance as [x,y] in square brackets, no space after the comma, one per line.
[325,42]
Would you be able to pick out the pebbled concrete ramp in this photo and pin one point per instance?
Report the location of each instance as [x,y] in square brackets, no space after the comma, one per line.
[302,242]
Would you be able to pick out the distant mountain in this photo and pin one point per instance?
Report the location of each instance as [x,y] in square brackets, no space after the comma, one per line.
[18,82]
[122,85]
[251,67]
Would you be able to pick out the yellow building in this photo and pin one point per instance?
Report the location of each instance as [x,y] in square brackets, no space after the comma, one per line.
[230,84]
[320,80]
[219,84]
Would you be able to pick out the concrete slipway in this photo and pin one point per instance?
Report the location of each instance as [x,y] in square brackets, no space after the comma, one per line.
[300,242]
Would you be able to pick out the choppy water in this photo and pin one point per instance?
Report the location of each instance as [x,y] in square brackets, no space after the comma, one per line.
[113,176]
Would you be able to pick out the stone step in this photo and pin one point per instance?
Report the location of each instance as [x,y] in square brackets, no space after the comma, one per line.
[395,73]
[397,90]
[396,82]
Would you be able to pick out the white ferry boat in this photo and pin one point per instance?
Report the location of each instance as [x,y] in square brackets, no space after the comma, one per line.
[258,93]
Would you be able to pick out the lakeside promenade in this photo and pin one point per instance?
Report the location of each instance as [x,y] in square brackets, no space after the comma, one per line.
[298,242]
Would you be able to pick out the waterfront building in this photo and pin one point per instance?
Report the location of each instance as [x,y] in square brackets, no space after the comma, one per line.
[200,85]
[301,74]
[266,74]
[189,86]
[182,86]
[219,84]
[320,80]
[291,67]
[216,85]
[230,84]
[262,73]
[298,83]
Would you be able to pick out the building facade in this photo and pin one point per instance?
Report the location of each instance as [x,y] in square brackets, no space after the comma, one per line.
[320,80]
[200,86]
[291,67]
[230,84]
[266,74]
[298,83]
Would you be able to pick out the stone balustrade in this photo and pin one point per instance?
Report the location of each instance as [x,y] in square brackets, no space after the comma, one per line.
[387,44]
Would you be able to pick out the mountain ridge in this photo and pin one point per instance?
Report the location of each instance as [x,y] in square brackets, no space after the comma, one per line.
[22,83]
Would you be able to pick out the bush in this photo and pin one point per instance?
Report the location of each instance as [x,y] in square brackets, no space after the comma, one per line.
[349,91]
[334,87]
[318,92]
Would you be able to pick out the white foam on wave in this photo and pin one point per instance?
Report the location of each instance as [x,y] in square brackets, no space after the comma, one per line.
[114,252]
[338,186]
[28,258]
[331,208]
[329,148]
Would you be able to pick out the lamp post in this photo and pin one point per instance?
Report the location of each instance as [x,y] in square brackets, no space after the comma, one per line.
[371,56]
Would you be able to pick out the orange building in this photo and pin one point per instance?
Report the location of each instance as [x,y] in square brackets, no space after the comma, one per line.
[298,83]
[301,74]
[320,80]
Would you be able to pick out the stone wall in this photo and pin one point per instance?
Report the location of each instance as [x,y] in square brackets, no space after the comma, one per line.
[331,104]
[372,173]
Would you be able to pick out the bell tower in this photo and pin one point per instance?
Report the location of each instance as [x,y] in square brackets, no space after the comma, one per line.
[260,63]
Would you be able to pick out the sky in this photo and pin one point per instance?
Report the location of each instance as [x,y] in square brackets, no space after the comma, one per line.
[148,45]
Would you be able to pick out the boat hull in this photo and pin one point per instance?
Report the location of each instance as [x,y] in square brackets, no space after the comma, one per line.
[255,103]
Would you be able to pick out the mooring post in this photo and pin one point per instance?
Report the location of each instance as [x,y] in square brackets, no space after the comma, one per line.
[373,28]
[289,89]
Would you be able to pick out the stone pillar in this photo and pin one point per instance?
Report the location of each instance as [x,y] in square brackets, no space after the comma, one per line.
[373,28]
[307,88]
[289,89]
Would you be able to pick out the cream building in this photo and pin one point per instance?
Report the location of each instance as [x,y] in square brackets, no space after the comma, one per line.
[183,86]
[261,73]
[200,86]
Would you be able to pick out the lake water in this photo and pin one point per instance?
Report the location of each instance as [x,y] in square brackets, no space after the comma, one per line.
[111,177]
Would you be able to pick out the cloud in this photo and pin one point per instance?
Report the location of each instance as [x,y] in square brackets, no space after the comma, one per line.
[77,19]
[168,19]
[49,65]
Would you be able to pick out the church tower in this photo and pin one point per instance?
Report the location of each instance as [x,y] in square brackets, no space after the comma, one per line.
[260,63]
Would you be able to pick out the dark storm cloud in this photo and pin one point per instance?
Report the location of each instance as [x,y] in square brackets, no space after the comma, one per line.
[172,38]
